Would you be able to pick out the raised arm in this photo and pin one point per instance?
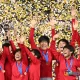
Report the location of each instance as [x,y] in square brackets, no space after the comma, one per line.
[33,58]
[54,52]
[23,53]
[11,41]
[52,24]
[8,54]
[12,45]
[74,27]
[3,57]
[78,40]
[23,47]
[75,35]
[74,32]
[53,42]
[31,37]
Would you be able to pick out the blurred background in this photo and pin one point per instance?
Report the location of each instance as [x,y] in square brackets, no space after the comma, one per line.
[17,14]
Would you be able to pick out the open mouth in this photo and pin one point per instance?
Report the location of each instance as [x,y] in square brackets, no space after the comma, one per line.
[61,47]
[17,57]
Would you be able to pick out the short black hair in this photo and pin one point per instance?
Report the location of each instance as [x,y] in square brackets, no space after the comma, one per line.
[44,38]
[70,47]
[63,40]
[36,52]
[17,50]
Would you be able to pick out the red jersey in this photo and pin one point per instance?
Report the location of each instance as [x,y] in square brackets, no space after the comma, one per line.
[45,68]
[2,61]
[34,68]
[73,40]
[24,56]
[8,67]
[63,67]
[16,74]
[1,73]
[75,35]
[15,71]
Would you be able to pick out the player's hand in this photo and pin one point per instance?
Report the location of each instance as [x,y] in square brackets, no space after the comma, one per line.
[25,73]
[33,23]
[3,71]
[73,12]
[75,25]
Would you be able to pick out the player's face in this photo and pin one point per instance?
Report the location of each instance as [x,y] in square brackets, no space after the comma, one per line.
[18,56]
[61,46]
[43,45]
[66,52]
